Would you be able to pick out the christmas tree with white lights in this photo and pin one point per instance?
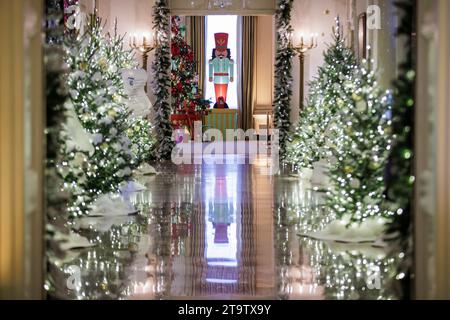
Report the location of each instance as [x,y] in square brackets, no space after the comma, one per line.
[143,141]
[98,155]
[140,130]
[317,134]
[357,177]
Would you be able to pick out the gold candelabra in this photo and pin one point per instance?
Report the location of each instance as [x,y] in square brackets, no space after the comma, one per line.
[144,46]
[301,50]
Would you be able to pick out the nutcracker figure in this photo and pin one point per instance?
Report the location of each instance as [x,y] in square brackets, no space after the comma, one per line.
[221,212]
[221,69]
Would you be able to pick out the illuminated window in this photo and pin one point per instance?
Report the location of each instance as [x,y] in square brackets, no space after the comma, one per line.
[222,24]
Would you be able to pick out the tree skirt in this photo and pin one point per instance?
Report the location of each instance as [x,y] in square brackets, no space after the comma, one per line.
[72,241]
[369,231]
[112,206]
[146,170]
[319,175]
[101,224]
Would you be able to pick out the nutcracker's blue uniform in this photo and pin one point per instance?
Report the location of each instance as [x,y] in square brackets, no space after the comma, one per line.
[221,68]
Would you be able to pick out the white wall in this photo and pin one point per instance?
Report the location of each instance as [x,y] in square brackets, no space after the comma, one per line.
[384,43]
[133,16]
[308,17]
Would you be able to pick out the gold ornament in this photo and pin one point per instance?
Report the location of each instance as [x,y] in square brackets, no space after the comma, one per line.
[116,98]
[83,66]
[348,170]
[361,106]
[112,113]
[356,97]
[103,63]
[374,165]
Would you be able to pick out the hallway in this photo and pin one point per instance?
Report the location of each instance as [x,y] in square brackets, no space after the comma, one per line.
[218,232]
[95,95]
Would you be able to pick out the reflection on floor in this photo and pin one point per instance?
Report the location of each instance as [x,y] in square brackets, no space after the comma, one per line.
[221,232]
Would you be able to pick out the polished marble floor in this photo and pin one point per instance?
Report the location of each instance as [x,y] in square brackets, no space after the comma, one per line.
[226,231]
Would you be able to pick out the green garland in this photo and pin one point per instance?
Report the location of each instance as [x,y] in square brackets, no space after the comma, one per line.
[400,183]
[56,95]
[401,180]
[161,68]
[283,73]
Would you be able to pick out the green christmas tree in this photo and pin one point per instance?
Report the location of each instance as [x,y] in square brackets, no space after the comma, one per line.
[140,130]
[299,150]
[357,177]
[143,141]
[186,97]
[400,183]
[183,76]
[97,96]
[317,134]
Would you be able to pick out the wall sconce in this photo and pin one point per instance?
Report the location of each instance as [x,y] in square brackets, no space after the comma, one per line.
[301,49]
[144,44]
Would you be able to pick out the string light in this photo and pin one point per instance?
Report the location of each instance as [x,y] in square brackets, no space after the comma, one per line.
[98,98]
[345,120]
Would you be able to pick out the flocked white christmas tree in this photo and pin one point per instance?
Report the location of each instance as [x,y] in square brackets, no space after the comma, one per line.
[98,156]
